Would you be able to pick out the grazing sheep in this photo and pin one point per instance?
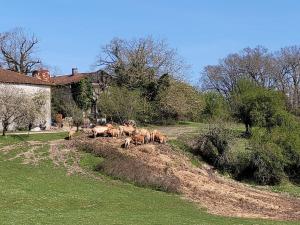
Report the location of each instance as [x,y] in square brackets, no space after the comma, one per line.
[113,132]
[99,130]
[110,126]
[138,139]
[127,142]
[153,134]
[145,133]
[127,130]
[72,131]
[162,139]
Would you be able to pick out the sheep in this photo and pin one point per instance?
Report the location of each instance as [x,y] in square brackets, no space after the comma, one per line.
[127,130]
[127,142]
[153,134]
[110,126]
[113,132]
[162,139]
[99,130]
[145,133]
[138,139]
[72,131]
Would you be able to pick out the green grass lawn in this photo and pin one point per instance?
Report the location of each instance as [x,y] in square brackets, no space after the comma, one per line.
[14,139]
[44,194]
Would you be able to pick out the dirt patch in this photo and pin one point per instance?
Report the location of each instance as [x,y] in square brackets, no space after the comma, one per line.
[32,156]
[159,166]
[64,153]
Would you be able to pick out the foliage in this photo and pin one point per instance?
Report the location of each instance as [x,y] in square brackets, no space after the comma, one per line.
[72,110]
[216,107]
[268,157]
[266,163]
[61,97]
[179,101]
[278,70]
[82,93]
[120,104]
[214,147]
[19,109]
[134,63]
[35,113]
[287,138]
[257,106]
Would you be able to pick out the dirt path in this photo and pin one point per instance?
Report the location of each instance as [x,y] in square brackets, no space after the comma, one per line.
[174,131]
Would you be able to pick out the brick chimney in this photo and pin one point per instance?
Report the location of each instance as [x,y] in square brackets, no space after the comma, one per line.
[74,71]
[41,74]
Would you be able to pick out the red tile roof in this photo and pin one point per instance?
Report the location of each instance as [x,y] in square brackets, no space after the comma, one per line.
[7,76]
[68,79]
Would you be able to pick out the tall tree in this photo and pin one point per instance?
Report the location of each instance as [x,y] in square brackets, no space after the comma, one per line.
[139,61]
[18,109]
[256,64]
[288,73]
[17,51]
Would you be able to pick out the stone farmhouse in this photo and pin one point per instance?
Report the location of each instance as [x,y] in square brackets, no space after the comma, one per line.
[42,81]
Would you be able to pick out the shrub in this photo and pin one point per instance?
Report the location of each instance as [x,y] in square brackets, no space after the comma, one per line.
[288,140]
[120,104]
[179,101]
[213,146]
[267,160]
[216,107]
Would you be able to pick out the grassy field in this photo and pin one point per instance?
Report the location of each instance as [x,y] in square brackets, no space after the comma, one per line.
[44,194]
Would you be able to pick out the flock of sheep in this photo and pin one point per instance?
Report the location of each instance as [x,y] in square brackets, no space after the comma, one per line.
[133,135]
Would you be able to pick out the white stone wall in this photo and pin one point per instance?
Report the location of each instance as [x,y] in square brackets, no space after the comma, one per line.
[33,89]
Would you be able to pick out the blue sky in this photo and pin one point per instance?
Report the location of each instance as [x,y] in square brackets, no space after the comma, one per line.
[72,32]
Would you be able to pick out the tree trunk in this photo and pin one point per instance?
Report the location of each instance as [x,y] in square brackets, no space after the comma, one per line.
[4,131]
[248,130]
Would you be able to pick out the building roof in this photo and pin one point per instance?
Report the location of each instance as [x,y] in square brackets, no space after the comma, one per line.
[7,76]
[68,79]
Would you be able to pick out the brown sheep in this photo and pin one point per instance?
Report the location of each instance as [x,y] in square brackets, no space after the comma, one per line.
[113,132]
[127,130]
[153,134]
[162,139]
[138,139]
[145,133]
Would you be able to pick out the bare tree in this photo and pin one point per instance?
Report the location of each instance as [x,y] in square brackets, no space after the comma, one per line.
[17,50]
[139,60]
[288,73]
[256,64]
[19,109]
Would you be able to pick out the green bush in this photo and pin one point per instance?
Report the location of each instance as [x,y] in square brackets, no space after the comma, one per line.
[267,160]
[120,104]
[263,161]
[216,107]
[213,147]
[288,139]
[179,101]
